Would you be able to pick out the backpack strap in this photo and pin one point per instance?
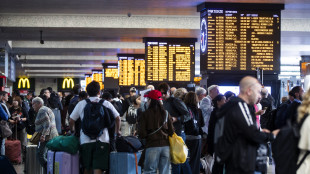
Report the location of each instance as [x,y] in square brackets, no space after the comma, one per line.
[303,159]
[87,100]
[101,101]
[166,120]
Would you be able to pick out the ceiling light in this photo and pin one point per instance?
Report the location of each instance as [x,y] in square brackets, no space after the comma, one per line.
[64,65]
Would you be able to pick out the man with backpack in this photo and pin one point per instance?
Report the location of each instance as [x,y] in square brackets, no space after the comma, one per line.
[95,135]
[236,134]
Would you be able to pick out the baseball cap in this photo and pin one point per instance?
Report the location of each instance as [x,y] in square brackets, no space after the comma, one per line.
[132,89]
[154,94]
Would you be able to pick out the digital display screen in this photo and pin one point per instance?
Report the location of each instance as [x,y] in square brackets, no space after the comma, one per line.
[88,78]
[170,59]
[234,38]
[110,76]
[97,76]
[131,69]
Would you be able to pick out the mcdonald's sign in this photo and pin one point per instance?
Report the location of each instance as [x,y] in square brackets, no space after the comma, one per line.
[23,83]
[67,83]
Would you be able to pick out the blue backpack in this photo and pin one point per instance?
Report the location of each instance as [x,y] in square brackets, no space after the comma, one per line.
[96,118]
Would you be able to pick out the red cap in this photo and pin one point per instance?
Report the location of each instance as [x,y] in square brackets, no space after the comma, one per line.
[154,94]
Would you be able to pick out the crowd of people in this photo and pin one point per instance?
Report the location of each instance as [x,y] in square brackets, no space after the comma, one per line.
[223,132]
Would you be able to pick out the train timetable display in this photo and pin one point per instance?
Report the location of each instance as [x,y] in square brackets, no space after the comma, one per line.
[131,69]
[111,71]
[240,37]
[170,59]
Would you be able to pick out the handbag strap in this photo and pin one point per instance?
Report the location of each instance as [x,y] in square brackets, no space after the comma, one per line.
[166,119]
[136,161]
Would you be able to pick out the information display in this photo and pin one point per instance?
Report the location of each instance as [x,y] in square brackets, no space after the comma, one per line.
[110,76]
[170,59]
[131,69]
[97,76]
[240,37]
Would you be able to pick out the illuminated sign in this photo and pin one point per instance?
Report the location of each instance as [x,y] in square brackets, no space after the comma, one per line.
[131,69]
[88,78]
[170,59]
[97,76]
[67,82]
[239,37]
[25,82]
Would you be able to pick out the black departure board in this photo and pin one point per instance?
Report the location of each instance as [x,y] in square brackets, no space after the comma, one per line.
[131,69]
[170,59]
[110,76]
[238,37]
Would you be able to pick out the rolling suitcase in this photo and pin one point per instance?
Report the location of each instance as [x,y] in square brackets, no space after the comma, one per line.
[123,162]
[13,149]
[32,165]
[62,163]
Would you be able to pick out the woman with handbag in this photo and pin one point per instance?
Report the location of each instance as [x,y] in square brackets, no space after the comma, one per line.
[155,126]
[193,131]
[19,117]
[45,129]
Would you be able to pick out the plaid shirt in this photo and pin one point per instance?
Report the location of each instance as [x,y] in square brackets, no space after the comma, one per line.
[45,122]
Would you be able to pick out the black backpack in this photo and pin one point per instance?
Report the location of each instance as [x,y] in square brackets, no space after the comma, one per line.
[268,120]
[221,151]
[118,106]
[285,148]
[96,118]
[128,144]
[132,116]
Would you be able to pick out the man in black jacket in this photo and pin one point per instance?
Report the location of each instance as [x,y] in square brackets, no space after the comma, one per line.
[241,136]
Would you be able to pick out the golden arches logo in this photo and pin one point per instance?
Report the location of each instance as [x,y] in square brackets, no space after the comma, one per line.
[25,82]
[68,81]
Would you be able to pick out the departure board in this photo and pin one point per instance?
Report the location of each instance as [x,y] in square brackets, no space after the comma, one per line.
[170,59]
[110,76]
[111,71]
[97,76]
[131,69]
[238,37]
[88,78]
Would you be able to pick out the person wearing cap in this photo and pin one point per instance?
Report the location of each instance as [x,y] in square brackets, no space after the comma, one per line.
[155,127]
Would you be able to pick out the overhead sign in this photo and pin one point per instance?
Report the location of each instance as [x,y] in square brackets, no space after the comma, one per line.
[67,83]
[23,83]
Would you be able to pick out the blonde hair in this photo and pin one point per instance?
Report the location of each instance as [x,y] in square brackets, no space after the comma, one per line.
[304,108]
[180,93]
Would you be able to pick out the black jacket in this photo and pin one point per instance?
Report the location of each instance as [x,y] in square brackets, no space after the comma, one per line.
[177,108]
[241,136]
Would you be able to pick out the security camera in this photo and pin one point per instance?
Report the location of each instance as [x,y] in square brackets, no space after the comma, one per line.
[129,14]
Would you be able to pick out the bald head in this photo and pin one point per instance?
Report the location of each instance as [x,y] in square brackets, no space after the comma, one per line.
[246,83]
[250,90]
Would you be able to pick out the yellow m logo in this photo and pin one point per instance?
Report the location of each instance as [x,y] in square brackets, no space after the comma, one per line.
[68,81]
[25,82]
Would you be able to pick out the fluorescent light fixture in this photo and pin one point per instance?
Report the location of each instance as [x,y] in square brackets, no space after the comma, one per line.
[290,73]
[64,65]
[57,71]
[290,68]
[63,57]
[56,75]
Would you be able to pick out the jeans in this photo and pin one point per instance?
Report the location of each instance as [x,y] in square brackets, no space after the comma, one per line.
[157,158]
[185,167]
[42,154]
[2,146]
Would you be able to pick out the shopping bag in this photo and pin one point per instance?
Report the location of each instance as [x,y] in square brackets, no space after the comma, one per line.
[69,144]
[178,149]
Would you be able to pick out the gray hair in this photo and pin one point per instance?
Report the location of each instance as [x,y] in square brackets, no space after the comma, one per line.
[38,100]
[200,91]
[211,87]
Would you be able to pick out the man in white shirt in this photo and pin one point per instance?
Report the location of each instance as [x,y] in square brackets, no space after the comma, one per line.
[94,154]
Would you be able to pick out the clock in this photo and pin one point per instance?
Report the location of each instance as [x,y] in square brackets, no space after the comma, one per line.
[203,35]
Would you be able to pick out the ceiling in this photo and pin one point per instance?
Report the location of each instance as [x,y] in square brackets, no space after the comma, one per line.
[79,35]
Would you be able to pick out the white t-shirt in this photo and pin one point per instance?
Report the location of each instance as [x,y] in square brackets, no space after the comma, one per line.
[78,112]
